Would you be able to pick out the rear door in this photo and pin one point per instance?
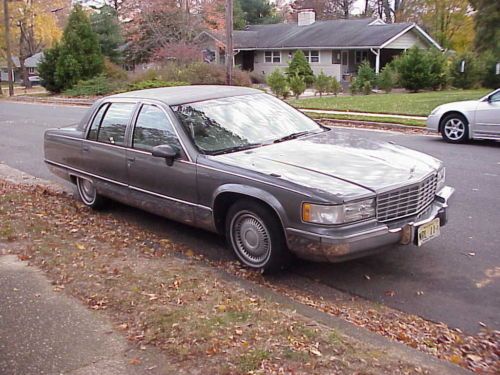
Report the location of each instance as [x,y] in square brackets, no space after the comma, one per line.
[155,186]
[487,119]
[104,150]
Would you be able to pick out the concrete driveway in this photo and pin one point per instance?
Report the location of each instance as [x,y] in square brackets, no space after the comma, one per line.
[454,279]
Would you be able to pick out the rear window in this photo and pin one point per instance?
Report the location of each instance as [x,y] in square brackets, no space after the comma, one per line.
[114,123]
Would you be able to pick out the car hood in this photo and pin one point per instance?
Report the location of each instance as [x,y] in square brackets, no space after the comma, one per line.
[337,163]
[465,105]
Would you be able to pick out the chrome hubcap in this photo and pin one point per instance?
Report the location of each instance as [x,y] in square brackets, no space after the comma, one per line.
[87,191]
[251,238]
[454,129]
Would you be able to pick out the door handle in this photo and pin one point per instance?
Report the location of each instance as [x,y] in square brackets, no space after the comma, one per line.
[131,158]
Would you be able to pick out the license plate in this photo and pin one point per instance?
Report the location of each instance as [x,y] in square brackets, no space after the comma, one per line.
[427,232]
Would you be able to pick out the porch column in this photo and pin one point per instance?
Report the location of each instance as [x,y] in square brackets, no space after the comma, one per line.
[377,62]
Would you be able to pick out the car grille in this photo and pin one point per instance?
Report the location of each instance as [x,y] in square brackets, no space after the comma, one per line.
[406,201]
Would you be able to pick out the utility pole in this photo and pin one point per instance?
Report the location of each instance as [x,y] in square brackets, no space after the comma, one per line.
[7,47]
[229,42]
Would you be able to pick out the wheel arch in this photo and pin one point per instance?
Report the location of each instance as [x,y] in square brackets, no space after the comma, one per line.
[454,112]
[227,195]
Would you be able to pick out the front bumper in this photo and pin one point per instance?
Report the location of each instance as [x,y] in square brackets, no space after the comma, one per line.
[433,122]
[339,245]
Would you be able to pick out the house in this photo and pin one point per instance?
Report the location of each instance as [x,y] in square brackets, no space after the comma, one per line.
[31,64]
[335,47]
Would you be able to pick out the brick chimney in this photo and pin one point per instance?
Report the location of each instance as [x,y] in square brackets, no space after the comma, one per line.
[306,17]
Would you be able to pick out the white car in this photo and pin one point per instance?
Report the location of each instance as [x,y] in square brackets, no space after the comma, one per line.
[472,119]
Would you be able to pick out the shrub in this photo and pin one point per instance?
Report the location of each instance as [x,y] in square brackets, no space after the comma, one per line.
[199,73]
[354,88]
[365,74]
[297,85]
[154,84]
[413,68]
[113,71]
[47,69]
[490,78]
[472,74]
[367,87]
[100,85]
[278,83]
[334,86]
[257,77]
[300,66]
[321,83]
[438,72]
[145,75]
[386,79]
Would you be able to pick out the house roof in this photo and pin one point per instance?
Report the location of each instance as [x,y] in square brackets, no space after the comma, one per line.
[364,32]
[30,62]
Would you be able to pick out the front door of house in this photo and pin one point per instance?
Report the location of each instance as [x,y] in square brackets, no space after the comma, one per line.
[345,62]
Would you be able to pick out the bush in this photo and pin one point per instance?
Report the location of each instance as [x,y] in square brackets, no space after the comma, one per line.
[100,85]
[199,73]
[413,68]
[257,77]
[473,73]
[367,87]
[438,72]
[490,78]
[386,79]
[354,88]
[154,84]
[334,86]
[278,83]
[366,74]
[321,83]
[113,71]
[47,69]
[297,85]
[300,66]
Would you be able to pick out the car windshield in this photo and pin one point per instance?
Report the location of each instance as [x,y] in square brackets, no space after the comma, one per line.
[242,122]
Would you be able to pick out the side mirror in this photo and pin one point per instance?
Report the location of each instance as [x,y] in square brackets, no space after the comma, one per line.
[166,152]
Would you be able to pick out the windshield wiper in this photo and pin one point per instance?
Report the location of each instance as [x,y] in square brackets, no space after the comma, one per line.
[291,136]
[237,148]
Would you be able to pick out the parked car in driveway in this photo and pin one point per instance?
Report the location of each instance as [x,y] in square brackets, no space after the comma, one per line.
[246,165]
[459,122]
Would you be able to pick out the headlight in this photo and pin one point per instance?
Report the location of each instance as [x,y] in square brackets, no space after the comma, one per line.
[339,214]
[441,175]
[435,110]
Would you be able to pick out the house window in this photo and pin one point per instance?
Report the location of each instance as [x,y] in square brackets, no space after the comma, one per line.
[361,56]
[273,57]
[312,56]
[31,70]
[336,57]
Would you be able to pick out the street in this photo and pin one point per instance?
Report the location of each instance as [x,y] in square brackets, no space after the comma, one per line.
[454,279]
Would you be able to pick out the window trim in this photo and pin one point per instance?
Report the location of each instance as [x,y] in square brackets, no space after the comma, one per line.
[362,54]
[167,118]
[126,140]
[273,55]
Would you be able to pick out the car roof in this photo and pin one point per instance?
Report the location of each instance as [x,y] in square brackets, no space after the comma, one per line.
[187,94]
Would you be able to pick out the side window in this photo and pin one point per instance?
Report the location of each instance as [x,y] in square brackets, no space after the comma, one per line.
[153,128]
[94,127]
[495,97]
[114,124]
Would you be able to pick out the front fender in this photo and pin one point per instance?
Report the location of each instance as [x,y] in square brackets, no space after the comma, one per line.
[256,193]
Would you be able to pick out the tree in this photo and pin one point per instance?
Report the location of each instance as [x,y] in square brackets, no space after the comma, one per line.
[106,25]
[297,85]
[300,66]
[486,21]
[78,56]
[466,70]
[413,69]
[386,79]
[326,9]
[47,69]
[334,86]
[491,79]
[321,83]
[258,11]
[438,70]
[278,83]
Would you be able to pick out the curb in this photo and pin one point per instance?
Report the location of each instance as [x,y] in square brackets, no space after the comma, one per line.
[378,124]
[357,113]
[49,100]
[393,348]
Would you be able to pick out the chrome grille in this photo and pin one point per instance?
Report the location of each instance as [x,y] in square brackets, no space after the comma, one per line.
[406,201]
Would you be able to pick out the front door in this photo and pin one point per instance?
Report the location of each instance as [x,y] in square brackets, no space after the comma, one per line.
[487,119]
[155,186]
[104,150]
[345,62]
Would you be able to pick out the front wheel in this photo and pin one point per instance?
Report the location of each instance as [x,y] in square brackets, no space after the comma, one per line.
[255,234]
[88,193]
[455,129]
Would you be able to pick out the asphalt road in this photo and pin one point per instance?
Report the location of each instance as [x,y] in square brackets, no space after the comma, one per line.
[454,278]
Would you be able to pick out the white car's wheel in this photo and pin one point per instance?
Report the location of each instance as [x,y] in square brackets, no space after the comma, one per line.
[455,128]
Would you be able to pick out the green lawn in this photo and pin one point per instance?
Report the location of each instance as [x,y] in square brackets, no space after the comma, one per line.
[389,120]
[418,104]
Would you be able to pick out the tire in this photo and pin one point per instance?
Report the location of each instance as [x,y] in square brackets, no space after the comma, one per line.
[88,193]
[455,128]
[263,247]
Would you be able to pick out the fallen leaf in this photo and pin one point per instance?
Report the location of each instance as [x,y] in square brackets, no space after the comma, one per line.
[390,293]
[134,362]
[315,351]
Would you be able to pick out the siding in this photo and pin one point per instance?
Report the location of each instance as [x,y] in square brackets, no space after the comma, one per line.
[407,40]
[325,63]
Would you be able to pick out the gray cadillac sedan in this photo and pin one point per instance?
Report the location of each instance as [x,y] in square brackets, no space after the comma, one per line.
[246,165]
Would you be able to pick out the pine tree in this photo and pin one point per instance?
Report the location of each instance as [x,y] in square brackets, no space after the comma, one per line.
[300,66]
[47,69]
[321,83]
[80,55]
[278,83]
[107,27]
